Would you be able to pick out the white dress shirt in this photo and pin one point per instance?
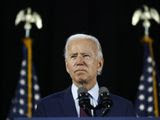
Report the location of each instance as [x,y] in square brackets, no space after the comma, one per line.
[93,99]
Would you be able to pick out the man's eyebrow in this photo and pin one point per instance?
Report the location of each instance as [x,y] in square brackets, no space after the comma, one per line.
[84,53]
[73,54]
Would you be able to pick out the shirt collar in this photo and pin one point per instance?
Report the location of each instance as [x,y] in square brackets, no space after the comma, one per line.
[74,89]
[93,91]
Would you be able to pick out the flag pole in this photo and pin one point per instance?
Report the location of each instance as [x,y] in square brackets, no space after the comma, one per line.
[29,18]
[28,45]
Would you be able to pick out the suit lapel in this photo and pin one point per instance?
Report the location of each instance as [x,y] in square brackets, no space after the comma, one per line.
[69,104]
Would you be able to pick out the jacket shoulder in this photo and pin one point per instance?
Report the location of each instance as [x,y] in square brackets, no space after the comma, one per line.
[120,99]
[53,97]
[45,105]
[122,106]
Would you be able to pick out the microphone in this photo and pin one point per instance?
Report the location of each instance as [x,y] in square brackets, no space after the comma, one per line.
[84,100]
[105,100]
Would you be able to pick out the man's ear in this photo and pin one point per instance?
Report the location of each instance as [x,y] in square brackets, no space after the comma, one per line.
[100,65]
[66,66]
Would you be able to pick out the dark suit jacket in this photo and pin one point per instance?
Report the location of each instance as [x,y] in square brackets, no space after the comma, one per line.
[62,104]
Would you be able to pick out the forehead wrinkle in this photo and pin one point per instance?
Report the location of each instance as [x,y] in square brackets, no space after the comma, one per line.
[90,44]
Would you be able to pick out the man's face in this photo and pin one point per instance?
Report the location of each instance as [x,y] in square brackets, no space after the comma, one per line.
[82,62]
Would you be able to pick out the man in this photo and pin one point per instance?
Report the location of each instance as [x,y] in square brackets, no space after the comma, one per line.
[84,61]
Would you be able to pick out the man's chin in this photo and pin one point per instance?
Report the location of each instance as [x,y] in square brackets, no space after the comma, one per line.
[82,81]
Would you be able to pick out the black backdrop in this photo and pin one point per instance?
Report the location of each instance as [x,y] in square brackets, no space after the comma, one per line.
[109,21]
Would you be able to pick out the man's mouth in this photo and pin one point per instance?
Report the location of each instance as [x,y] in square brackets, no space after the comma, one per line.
[80,70]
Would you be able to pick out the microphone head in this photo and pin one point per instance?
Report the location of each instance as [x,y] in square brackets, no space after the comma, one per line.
[83,96]
[103,90]
[105,100]
[81,90]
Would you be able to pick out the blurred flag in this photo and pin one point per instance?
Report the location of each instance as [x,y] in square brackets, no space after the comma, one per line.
[148,96]
[23,100]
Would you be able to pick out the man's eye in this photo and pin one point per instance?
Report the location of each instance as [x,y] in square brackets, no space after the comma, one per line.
[86,56]
[73,56]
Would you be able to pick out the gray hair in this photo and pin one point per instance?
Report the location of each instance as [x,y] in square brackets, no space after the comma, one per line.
[88,37]
[84,36]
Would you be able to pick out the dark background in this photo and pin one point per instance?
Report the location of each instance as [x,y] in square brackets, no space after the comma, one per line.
[109,21]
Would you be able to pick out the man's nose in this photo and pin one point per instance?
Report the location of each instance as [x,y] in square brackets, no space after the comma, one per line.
[80,60]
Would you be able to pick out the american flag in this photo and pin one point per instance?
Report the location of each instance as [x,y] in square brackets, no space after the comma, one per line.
[19,105]
[145,97]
